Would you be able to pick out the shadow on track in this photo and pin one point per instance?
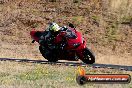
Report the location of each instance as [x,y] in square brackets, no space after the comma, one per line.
[110,66]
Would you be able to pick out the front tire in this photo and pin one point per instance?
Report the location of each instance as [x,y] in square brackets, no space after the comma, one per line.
[89,57]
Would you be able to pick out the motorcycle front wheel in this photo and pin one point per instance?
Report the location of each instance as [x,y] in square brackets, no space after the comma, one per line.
[89,57]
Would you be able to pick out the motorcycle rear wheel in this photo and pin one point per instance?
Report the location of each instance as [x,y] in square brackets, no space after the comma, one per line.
[50,57]
[89,57]
[42,51]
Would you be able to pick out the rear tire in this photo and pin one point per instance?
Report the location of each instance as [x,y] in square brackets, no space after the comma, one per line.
[89,57]
[50,57]
[42,51]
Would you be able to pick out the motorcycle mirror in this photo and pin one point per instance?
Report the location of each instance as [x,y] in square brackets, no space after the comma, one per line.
[71,25]
[33,41]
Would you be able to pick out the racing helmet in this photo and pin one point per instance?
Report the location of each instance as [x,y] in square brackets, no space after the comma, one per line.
[54,27]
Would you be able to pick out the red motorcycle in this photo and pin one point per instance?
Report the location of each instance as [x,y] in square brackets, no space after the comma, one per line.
[73,48]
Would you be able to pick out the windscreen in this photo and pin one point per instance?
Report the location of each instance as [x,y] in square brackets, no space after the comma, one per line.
[70,34]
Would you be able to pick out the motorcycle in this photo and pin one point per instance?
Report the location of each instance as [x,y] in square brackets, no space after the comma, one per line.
[72,49]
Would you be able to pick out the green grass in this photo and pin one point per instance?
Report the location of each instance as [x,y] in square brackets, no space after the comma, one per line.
[96,18]
[31,75]
[23,75]
[127,19]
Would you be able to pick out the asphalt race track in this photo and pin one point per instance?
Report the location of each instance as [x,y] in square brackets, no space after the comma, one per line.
[96,65]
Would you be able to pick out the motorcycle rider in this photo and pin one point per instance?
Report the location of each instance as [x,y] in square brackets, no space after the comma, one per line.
[50,34]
